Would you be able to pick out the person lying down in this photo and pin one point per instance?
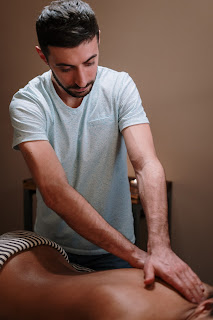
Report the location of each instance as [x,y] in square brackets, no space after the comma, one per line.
[38,282]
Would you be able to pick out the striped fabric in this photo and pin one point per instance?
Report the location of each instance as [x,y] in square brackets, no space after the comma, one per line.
[17,241]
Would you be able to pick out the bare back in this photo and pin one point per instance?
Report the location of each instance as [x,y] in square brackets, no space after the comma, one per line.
[39,283]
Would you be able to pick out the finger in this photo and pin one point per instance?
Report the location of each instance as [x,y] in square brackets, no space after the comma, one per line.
[194,285]
[180,283]
[191,283]
[198,283]
[176,278]
[149,273]
[183,282]
[189,290]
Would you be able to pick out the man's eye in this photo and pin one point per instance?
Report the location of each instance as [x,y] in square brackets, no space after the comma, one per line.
[65,70]
[88,64]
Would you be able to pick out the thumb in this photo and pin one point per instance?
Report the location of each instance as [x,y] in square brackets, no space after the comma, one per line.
[149,273]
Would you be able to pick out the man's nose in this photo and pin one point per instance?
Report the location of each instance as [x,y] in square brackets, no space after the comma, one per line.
[80,78]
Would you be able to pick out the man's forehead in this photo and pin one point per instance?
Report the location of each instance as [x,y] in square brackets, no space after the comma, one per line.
[76,55]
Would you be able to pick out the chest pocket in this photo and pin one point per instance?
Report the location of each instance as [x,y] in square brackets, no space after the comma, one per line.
[102,135]
[105,121]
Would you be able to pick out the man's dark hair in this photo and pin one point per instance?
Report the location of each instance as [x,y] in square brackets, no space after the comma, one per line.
[66,23]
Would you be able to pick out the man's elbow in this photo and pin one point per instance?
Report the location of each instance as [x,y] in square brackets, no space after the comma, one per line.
[52,195]
[49,200]
[152,165]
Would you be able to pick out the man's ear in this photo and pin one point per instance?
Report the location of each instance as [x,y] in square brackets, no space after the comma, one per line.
[99,37]
[204,309]
[41,55]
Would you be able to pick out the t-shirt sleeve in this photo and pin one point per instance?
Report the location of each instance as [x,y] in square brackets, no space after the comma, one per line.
[131,111]
[28,120]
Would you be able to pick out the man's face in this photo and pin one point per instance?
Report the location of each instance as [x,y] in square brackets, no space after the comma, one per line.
[74,69]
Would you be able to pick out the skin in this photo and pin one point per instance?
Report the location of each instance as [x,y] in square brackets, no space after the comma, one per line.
[75,70]
[40,284]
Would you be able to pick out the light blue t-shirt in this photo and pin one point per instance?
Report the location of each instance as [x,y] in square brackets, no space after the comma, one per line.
[88,143]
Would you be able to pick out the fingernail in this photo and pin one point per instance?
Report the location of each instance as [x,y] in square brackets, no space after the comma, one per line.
[194,301]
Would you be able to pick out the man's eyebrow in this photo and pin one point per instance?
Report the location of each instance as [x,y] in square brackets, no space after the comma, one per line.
[70,65]
[92,57]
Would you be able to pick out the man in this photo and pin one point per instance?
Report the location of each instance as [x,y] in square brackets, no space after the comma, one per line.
[41,284]
[73,125]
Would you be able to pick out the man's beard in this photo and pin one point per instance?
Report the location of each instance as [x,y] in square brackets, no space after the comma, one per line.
[71,93]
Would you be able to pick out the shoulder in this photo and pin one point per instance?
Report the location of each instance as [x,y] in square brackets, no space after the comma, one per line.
[114,82]
[35,94]
[35,89]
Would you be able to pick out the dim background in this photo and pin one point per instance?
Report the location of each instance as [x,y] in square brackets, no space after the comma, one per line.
[166,47]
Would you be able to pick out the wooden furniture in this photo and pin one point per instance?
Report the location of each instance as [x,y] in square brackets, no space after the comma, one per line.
[29,188]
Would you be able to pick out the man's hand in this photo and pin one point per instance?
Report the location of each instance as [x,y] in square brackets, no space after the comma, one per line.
[169,267]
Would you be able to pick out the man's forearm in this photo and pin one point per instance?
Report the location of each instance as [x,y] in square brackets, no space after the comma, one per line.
[152,189]
[86,221]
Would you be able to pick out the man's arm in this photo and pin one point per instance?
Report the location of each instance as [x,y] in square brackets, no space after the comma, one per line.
[58,195]
[152,190]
